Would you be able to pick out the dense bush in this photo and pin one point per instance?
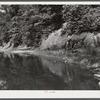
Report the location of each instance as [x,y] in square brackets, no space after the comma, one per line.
[82,18]
[28,24]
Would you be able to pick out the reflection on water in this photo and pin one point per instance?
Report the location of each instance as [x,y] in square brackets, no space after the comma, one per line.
[38,73]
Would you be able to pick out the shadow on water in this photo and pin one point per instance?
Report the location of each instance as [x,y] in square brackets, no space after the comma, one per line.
[38,73]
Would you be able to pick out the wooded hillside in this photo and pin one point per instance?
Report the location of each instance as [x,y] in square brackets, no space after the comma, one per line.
[31,24]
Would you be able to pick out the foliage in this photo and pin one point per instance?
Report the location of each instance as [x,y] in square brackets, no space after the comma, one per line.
[82,18]
[27,24]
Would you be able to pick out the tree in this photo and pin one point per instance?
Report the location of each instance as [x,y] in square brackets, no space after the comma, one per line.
[30,22]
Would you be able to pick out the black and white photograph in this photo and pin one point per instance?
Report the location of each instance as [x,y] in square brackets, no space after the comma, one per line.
[49,47]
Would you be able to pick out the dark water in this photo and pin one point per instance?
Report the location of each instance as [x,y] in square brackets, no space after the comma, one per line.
[38,73]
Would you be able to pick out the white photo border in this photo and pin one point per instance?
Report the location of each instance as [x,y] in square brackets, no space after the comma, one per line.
[4,94]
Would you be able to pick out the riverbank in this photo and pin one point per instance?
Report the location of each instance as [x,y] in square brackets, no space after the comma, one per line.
[66,56]
[80,57]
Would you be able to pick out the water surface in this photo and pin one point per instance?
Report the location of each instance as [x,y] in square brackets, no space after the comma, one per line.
[30,72]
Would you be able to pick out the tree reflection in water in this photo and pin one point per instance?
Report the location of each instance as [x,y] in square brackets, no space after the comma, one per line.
[38,73]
